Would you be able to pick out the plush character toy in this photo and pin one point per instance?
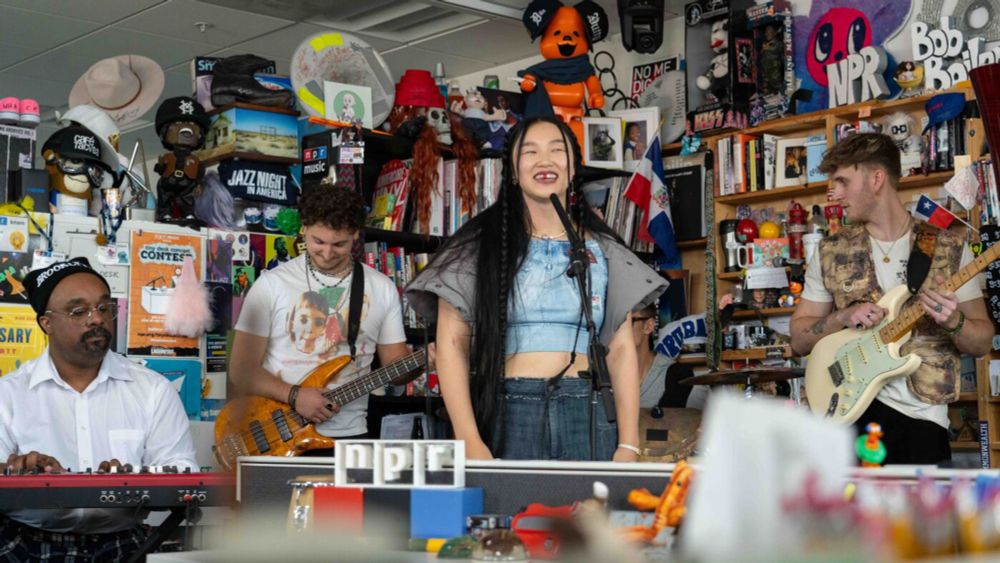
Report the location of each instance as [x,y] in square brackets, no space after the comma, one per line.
[715,80]
[181,124]
[486,128]
[560,84]
[75,161]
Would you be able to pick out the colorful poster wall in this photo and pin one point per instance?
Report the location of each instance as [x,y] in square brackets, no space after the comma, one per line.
[21,339]
[156,260]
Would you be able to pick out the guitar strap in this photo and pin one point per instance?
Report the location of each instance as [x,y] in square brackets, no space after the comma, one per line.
[356,304]
[921,255]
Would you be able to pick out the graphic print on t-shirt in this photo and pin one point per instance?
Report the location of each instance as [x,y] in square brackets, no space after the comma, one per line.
[317,322]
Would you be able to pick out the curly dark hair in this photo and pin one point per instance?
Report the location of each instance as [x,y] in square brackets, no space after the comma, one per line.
[335,207]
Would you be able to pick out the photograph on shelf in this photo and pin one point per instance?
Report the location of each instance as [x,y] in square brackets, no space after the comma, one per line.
[792,164]
[512,103]
[348,103]
[640,126]
[602,142]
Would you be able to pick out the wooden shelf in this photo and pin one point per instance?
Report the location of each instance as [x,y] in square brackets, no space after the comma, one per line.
[772,195]
[671,149]
[691,361]
[770,312]
[737,276]
[965,445]
[968,397]
[883,107]
[922,181]
[755,354]
[412,242]
[692,244]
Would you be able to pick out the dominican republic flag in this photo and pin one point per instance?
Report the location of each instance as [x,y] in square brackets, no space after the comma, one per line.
[928,210]
[648,190]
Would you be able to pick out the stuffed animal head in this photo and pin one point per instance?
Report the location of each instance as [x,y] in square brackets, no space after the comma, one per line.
[566,32]
[719,40]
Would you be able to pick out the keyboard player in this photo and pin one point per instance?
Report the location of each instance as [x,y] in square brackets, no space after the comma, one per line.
[80,405]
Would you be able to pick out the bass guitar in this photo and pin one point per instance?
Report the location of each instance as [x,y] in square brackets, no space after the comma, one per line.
[847,369]
[261,426]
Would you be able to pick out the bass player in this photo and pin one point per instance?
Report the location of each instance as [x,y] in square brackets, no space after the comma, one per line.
[855,267]
[296,317]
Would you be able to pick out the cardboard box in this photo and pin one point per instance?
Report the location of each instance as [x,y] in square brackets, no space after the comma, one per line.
[17,151]
[252,132]
[725,102]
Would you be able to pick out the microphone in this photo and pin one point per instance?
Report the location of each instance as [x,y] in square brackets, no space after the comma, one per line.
[576,264]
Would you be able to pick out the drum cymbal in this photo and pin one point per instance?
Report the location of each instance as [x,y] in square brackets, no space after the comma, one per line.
[748,375]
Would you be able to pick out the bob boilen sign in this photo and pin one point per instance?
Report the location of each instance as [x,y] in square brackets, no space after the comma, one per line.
[946,55]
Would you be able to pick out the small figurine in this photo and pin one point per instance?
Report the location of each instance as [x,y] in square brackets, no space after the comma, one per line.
[834,215]
[565,79]
[75,160]
[669,506]
[902,127]
[181,124]
[909,75]
[714,81]
[487,129]
[869,448]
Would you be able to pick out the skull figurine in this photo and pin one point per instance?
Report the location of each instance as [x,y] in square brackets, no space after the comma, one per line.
[438,119]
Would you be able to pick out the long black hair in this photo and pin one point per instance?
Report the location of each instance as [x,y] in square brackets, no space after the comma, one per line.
[497,238]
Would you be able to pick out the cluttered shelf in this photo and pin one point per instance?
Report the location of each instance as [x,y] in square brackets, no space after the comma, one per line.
[738,275]
[773,194]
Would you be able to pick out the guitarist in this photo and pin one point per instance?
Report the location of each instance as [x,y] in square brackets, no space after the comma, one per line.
[855,267]
[295,317]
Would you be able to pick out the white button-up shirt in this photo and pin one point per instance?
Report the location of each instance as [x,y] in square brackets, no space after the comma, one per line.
[129,413]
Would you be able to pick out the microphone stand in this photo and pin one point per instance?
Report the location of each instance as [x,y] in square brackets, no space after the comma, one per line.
[579,269]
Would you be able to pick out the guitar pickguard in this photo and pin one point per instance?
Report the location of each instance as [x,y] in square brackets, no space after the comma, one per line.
[857,365]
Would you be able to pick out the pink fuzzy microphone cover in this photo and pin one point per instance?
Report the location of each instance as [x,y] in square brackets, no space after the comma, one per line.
[189,312]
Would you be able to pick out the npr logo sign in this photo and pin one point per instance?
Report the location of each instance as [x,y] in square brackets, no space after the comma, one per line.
[388,460]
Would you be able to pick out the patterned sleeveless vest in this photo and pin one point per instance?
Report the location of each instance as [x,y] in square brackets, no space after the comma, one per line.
[849,275]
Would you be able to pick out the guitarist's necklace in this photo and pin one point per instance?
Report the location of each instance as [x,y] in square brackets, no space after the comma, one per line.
[311,271]
[886,253]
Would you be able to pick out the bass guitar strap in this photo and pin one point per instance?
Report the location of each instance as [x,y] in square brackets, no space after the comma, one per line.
[356,304]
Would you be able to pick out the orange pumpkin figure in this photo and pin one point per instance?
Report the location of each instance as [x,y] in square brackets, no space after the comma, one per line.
[565,79]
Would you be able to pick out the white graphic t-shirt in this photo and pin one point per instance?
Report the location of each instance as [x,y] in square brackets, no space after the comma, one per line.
[304,316]
[895,394]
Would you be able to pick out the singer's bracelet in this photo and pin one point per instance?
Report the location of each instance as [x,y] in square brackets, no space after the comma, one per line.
[958,327]
[630,448]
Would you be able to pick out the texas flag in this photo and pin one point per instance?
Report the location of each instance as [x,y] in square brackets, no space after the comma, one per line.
[928,210]
[648,190]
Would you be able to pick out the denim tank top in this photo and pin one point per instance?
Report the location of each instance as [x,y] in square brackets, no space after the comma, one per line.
[543,312]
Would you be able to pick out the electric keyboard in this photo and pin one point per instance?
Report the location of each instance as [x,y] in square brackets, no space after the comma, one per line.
[154,491]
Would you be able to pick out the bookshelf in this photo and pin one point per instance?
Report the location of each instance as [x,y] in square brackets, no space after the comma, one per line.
[724,207]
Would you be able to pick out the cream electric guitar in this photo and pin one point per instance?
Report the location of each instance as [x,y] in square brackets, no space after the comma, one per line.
[848,368]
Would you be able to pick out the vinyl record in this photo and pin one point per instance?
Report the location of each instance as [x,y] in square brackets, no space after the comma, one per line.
[340,57]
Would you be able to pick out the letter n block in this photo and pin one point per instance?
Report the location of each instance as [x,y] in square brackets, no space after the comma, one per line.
[440,513]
